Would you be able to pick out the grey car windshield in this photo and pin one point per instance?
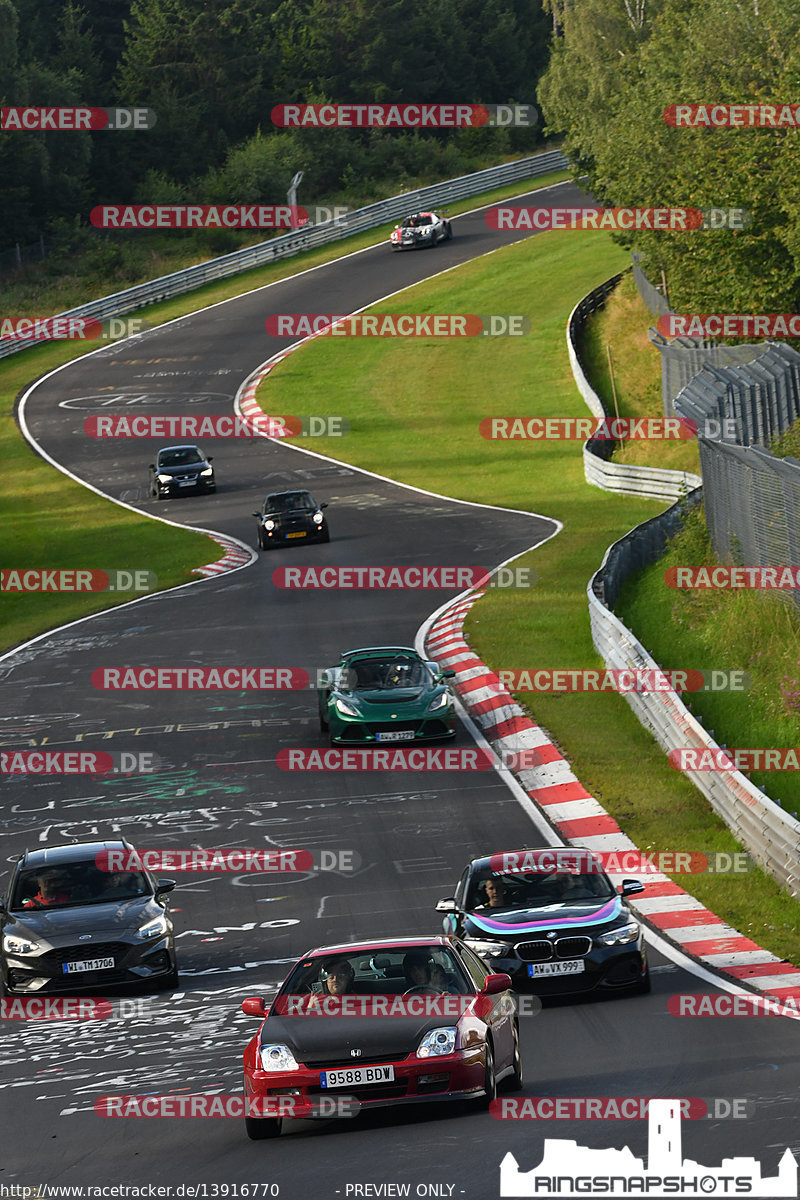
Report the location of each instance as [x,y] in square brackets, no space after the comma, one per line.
[76,883]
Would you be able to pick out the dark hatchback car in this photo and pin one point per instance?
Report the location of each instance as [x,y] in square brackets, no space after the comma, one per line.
[553,931]
[66,924]
[291,517]
[179,469]
[395,1022]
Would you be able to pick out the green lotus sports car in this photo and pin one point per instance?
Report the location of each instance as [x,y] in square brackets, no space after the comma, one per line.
[386,694]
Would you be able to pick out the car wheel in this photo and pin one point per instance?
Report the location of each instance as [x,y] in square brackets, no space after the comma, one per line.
[259,1128]
[325,536]
[489,1080]
[448,231]
[432,241]
[513,1083]
[323,724]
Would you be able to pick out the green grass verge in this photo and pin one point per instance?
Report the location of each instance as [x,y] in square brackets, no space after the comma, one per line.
[52,522]
[414,407]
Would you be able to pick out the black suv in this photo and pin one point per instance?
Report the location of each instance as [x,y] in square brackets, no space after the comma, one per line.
[72,921]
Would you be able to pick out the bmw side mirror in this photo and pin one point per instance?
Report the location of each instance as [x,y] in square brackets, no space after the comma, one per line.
[164,885]
[325,505]
[152,467]
[257,515]
[631,887]
[210,458]
[447,906]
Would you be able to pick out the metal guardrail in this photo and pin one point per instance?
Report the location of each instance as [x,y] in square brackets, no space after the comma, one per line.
[624,478]
[771,835]
[287,244]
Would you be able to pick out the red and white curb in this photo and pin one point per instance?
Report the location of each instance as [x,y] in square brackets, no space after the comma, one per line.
[236,555]
[581,820]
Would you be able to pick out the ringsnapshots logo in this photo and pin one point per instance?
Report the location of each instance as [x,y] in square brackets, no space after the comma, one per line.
[36,579]
[570,1170]
[669,220]
[75,119]
[398,325]
[403,116]
[732,116]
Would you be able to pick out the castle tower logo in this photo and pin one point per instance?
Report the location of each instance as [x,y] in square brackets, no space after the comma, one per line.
[568,1169]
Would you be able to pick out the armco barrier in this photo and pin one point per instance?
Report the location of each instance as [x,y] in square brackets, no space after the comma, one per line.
[625,478]
[309,237]
[771,835]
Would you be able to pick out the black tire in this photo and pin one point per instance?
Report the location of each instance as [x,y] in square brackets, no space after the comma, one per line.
[449,232]
[323,724]
[259,1128]
[489,1079]
[513,1083]
[325,537]
[432,241]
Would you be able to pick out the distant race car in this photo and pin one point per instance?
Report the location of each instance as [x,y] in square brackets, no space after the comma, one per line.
[181,468]
[369,1024]
[552,931]
[291,516]
[421,229]
[68,924]
[386,694]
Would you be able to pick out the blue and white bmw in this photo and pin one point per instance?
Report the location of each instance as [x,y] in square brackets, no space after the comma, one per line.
[554,931]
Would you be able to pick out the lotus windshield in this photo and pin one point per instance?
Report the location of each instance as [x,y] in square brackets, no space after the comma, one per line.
[384,674]
[537,890]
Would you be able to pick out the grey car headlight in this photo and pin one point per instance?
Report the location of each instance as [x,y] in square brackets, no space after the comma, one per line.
[152,929]
[13,943]
[620,936]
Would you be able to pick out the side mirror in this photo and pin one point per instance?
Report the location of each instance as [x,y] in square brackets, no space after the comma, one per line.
[210,458]
[152,467]
[257,515]
[447,674]
[254,1006]
[494,984]
[631,887]
[164,885]
[448,905]
[3,908]
[325,505]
